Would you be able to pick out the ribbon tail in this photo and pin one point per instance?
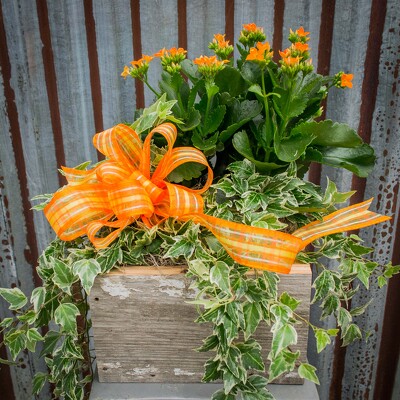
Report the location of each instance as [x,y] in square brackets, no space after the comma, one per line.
[350,218]
[251,246]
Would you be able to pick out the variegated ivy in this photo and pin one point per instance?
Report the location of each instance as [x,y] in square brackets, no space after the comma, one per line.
[231,301]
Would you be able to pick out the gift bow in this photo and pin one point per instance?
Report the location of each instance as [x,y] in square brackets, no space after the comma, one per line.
[123,188]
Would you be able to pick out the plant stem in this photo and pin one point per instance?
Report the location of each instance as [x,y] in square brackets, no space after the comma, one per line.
[151,88]
[267,118]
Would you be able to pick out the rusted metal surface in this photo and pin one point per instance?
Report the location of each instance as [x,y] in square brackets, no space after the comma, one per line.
[60,83]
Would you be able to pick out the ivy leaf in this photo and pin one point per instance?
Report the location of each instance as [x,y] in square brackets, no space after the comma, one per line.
[252,359]
[6,322]
[252,317]
[350,334]
[219,275]
[182,247]
[65,315]
[50,342]
[37,297]
[283,337]
[322,338]
[63,277]
[343,318]
[87,270]
[289,301]
[323,284]
[277,367]
[360,310]
[220,395]
[16,341]
[15,297]
[230,381]
[38,382]
[211,371]
[307,371]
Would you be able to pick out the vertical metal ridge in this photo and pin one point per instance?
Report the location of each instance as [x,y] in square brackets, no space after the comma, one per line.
[31,253]
[389,351]
[279,11]
[370,83]
[51,83]
[324,62]
[182,24]
[137,48]
[95,86]
[230,20]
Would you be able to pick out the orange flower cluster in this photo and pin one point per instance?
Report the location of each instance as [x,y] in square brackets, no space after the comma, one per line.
[343,80]
[251,34]
[261,54]
[139,67]
[300,35]
[221,47]
[209,66]
[297,56]
[171,59]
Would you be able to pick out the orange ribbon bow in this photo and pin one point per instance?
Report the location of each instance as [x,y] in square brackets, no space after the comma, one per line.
[122,189]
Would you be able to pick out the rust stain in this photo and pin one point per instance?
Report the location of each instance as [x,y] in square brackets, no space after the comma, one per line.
[90,26]
[182,24]
[51,84]
[279,11]
[137,48]
[230,20]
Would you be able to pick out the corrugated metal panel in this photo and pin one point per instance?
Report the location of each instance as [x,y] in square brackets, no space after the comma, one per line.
[60,83]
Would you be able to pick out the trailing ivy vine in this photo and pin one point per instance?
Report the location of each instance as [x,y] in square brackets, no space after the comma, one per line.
[232,301]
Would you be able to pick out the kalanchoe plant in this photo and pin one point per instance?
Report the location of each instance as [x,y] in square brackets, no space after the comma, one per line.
[258,123]
[266,112]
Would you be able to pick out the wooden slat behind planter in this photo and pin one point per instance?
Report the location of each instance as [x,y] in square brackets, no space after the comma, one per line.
[144,329]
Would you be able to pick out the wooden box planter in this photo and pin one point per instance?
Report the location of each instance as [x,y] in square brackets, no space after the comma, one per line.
[144,330]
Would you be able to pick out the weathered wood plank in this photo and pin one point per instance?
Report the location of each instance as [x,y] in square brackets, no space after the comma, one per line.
[68,38]
[152,328]
[114,49]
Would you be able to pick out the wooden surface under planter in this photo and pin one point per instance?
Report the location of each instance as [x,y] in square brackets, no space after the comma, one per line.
[144,330]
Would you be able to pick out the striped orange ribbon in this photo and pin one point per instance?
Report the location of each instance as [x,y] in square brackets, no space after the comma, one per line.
[123,189]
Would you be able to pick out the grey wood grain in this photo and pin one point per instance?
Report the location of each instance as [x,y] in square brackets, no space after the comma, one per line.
[144,330]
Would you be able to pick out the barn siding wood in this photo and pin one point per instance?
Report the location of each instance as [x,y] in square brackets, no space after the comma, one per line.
[63,84]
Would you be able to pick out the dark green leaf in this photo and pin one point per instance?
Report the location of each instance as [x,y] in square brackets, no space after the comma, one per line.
[230,80]
[332,134]
[209,343]
[323,284]
[242,145]
[230,381]
[214,119]
[359,160]
[14,297]
[277,367]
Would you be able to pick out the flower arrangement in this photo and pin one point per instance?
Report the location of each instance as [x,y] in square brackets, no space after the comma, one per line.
[254,125]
